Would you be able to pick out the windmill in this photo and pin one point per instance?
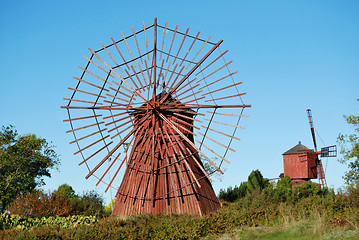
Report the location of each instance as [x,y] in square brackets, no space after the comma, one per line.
[330,151]
[302,164]
[150,116]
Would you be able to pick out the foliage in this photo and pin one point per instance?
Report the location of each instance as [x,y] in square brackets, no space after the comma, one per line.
[108,209]
[40,204]
[8,221]
[350,150]
[256,181]
[232,194]
[88,204]
[253,210]
[65,190]
[24,161]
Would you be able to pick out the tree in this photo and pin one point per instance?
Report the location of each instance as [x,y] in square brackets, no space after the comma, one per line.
[233,194]
[66,190]
[256,181]
[350,150]
[90,203]
[24,160]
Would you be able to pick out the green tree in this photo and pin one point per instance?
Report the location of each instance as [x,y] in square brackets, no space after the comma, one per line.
[90,203]
[66,190]
[24,160]
[256,181]
[233,194]
[350,150]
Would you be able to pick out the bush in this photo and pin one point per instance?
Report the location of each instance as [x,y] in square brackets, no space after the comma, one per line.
[89,204]
[40,204]
[256,181]
[233,194]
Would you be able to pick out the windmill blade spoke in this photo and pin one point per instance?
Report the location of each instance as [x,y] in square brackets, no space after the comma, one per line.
[188,141]
[114,176]
[111,56]
[228,124]
[99,66]
[87,126]
[221,89]
[89,135]
[173,38]
[84,69]
[229,114]
[184,116]
[118,75]
[199,50]
[95,153]
[212,62]
[209,84]
[91,84]
[108,169]
[92,144]
[78,90]
[191,154]
[208,148]
[237,95]
[83,101]
[217,142]
[189,48]
[123,59]
[225,134]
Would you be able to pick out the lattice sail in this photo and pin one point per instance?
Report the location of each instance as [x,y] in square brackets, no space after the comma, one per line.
[170,100]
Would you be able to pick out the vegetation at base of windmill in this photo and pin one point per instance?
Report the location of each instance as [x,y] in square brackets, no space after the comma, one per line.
[90,203]
[254,210]
[12,221]
[108,209]
[350,150]
[24,161]
[232,194]
[282,191]
[40,204]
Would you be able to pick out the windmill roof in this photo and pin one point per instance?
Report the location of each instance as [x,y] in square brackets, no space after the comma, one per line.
[297,149]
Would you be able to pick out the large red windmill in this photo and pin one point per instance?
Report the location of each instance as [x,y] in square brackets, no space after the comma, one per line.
[161,95]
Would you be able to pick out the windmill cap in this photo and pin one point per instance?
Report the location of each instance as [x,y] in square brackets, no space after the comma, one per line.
[299,148]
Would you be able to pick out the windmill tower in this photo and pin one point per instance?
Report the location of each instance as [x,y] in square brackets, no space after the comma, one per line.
[303,164]
[172,103]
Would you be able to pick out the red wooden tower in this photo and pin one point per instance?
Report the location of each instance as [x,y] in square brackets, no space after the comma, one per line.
[155,188]
[300,163]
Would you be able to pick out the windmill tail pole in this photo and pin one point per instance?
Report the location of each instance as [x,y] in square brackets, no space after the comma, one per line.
[312,128]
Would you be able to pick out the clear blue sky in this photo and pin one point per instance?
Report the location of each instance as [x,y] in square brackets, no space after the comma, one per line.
[291,55]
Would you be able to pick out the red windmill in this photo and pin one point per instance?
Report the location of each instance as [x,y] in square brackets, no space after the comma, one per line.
[303,164]
[162,102]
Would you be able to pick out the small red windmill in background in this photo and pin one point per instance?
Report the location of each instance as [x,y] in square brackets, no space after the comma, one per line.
[302,164]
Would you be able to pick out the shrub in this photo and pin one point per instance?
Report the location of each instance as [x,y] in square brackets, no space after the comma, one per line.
[256,181]
[89,204]
[233,194]
[40,204]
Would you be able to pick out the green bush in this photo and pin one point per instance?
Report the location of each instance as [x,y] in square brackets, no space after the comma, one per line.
[8,221]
